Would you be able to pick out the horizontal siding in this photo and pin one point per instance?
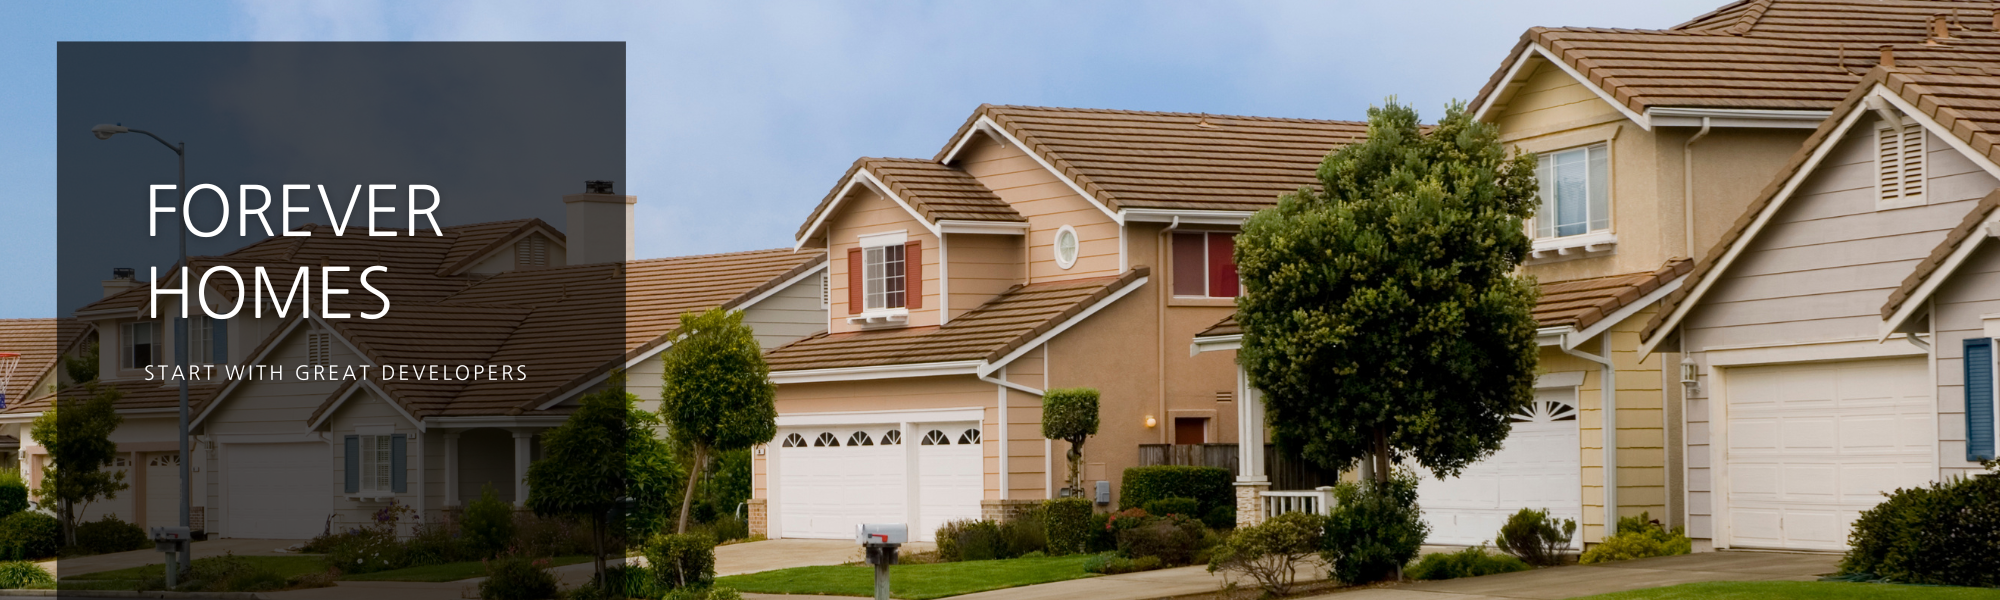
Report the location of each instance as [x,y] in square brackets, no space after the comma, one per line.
[1048,204]
[792,313]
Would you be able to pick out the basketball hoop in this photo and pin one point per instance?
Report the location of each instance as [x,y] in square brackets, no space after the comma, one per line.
[7,362]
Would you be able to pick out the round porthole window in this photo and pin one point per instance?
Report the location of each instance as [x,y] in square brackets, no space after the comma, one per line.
[1066,247]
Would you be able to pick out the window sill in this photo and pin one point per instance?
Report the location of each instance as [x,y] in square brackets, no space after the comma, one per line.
[881,318]
[1575,246]
[371,496]
[1201,301]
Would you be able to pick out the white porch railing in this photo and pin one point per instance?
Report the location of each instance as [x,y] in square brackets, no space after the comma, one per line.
[1318,501]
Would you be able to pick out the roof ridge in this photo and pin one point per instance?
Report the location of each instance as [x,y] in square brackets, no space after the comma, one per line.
[715,255]
[1750,17]
[1120,111]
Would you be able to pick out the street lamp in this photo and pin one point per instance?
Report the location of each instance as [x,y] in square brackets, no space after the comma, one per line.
[104,132]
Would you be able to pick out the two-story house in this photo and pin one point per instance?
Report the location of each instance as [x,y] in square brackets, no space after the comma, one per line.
[1040,248]
[545,320]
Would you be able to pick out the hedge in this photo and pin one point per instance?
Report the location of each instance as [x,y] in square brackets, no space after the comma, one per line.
[1068,524]
[1945,533]
[1208,485]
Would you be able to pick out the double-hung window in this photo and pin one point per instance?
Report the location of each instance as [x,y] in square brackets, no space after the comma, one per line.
[1575,192]
[884,277]
[376,462]
[139,344]
[208,340]
[1205,264]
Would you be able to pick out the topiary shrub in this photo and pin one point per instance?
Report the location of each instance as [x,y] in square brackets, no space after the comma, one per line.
[518,578]
[13,493]
[1374,530]
[1070,414]
[1209,486]
[488,524]
[1176,540]
[109,534]
[1638,537]
[1187,507]
[681,560]
[21,574]
[1947,533]
[29,535]
[1470,562]
[1271,553]
[1536,537]
[1067,526]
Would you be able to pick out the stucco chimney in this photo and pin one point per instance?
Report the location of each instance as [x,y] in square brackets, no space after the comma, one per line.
[1888,56]
[121,280]
[600,225]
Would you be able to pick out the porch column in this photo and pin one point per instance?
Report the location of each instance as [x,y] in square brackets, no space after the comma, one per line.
[451,469]
[521,439]
[1251,483]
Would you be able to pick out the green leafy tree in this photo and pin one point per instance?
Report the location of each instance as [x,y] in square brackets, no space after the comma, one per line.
[1071,415]
[598,462]
[1385,316]
[82,369]
[718,395]
[77,433]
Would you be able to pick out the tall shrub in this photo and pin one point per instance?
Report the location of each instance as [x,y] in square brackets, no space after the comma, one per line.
[680,561]
[488,524]
[1071,415]
[718,395]
[1946,533]
[13,493]
[77,433]
[1385,316]
[1271,553]
[1068,522]
[1536,537]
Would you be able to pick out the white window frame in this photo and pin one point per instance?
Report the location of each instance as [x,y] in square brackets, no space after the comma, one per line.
[1610,194]
[378,462]
[201,339]
[1204,267]
[127,339]
[1076,247]
[1902,128]
[871,312]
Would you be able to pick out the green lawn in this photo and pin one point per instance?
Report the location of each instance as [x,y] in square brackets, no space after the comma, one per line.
[449,571]
[1800,590]
[912,582]
[288,566]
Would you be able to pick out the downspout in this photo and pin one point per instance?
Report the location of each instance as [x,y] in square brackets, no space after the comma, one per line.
[1162,249]
[1003,385]
[1608,394]
[1687,184]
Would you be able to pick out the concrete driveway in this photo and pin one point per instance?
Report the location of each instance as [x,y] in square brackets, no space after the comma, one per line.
[123,560]
[1581,580]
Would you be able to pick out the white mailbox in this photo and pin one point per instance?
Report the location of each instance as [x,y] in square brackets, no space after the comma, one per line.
[881,533]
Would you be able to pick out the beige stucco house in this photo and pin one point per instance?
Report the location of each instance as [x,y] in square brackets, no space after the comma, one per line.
[1041,248]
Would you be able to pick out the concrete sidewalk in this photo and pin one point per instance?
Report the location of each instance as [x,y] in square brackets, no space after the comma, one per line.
[65,567]
[1581,580]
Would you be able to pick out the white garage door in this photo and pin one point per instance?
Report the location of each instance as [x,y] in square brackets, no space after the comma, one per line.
[278,491]
[833,478]
[1537,468]
[121,506]
[1811,446]
[952,475]
[163,489]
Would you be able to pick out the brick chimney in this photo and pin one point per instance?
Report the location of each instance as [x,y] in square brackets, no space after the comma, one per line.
[121,280]
[599,228]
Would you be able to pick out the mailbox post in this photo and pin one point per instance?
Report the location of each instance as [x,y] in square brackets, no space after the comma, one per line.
[881,541]
[173,541]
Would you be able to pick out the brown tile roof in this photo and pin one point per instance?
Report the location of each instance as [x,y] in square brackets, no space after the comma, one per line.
[1960,98]
[40,342]
[1766,54]
[134,395]
[1966,229]
[936,191]
[1581,303]
[1227,326]
[988,332]
[1137,159]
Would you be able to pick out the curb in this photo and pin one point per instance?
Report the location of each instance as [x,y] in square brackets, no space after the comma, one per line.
[130,594]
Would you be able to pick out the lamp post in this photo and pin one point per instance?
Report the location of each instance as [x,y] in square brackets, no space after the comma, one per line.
[104,132]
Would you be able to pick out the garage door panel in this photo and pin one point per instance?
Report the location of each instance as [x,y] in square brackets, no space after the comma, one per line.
[1538,467]
[831,479]
[278,491]
[1866,430]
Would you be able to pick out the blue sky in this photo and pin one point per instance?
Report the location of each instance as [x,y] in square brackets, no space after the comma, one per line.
[742,114]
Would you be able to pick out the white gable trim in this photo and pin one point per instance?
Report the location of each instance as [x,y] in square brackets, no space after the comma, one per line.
[987,123]
[989,367]
[1912,305]
[273,346]
[508,246]
[1536,51]
[863,178]
[1215,343]
[384,397]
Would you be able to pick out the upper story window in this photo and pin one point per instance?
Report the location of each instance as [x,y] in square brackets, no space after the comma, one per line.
[883,277]
[1066,247]
[1205,264]
[139,344]
[1575,190]
[1899,163]
[208,340]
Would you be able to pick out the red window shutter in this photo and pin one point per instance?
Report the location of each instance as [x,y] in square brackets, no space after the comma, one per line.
[913,274]
[1222,265]
[1190,268]
[854,282]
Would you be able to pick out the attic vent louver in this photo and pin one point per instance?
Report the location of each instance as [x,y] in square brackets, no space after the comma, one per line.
[1899,162]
